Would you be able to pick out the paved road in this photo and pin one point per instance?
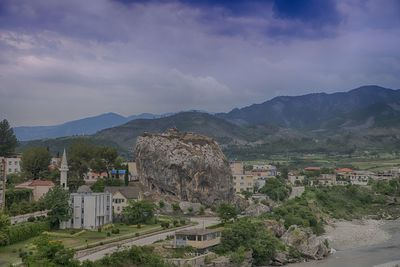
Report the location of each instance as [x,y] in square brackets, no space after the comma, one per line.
[296,191]
[202,222]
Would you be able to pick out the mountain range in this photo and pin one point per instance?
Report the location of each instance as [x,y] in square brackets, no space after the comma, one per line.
[85,126]
[366,118]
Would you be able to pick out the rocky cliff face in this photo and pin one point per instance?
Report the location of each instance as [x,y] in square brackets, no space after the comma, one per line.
[189,166]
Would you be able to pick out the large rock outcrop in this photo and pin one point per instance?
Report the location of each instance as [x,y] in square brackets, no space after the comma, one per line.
[307,243]
[189,166]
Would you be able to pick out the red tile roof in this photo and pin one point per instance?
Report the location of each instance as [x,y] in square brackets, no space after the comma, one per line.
[41,183]
[312,168]
[344,170]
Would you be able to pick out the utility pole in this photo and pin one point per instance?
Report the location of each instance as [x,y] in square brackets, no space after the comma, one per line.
[3,184]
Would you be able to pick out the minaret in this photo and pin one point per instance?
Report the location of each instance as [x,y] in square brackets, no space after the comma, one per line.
[64,171]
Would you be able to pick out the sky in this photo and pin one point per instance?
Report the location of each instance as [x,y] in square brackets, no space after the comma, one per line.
[64,60]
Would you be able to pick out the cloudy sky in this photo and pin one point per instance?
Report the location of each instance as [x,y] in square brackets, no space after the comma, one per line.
[63,60]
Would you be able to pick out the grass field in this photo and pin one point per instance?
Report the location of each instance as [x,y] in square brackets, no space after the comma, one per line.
[10,254]
[372,163]
[91,237]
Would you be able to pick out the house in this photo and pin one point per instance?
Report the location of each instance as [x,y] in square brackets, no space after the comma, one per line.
[120,174]
[92,176]
[296,179]
[264,170]
[12,164]
[39,187]
[312,169]
[360,177]
[243,182]
[237,167]
[89,210]
[122,195]
[200,239]
[325,179]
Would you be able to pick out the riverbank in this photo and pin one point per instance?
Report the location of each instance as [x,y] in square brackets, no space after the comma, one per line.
[358,246]
[357,233]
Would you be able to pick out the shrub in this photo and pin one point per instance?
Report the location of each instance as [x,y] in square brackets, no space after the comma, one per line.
[31,219]
[175,223]
[26,230]
[137,234]
[108,234]
[138,226]
[182,221]
[165,224]
[161,204]
[115,231]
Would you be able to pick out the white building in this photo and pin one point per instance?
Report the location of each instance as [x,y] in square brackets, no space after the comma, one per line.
[89,210]
[13,165]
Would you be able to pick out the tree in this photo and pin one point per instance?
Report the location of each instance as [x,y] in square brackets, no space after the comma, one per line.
[227,212]
[4,223]
[8,141]
[57,201]
[276,189]
[126,176]
[246,234]
[49,253]
[35,162]
[138,212]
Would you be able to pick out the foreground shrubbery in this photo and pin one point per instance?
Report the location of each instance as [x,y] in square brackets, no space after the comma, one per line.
[246,234]
[26,230]
[53,253]
[276,189]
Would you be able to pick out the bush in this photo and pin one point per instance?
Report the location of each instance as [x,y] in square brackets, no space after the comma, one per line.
[31,219]
[138,226]
[182,221]
[276,189]
[175,207]
[115,231]
[26,230]
[161,204]
[175,223]
[137,234]
[165,224]
[108,234]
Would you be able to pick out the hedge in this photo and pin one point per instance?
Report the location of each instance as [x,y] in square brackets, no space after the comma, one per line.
[17,195]
[26,230]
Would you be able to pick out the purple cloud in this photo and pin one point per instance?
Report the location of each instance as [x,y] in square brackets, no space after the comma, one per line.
[64,60]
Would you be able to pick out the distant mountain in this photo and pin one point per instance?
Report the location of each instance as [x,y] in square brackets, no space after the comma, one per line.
[203,123]
[363,119]
[358,107]
[86,126]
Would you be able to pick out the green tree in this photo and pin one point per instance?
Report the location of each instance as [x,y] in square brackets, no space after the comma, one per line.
[227,212]
[35,162]
[126,176]
[49,253]
[246,234]
[8,141]
[138,212]
[276,189]
[4,223]
[57,201]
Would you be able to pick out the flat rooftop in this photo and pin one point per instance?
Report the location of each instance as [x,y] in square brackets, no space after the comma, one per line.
[197,231]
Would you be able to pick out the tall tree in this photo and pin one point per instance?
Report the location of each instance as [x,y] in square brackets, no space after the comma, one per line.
[126,176]
[8,141]
[35,162]
[57,201]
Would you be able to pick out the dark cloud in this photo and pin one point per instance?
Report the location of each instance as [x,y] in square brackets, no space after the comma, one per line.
[67,59]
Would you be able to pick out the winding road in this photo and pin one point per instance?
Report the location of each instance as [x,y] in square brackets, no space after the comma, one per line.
[202,223]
